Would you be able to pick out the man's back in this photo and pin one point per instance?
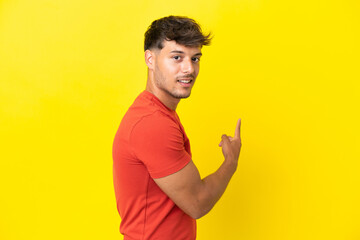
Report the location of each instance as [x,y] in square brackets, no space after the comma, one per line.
[150,143]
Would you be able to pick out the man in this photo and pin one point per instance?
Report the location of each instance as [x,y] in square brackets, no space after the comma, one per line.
[158,188]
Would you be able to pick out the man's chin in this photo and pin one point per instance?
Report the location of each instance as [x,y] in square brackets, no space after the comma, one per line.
[181,96]
[178,94]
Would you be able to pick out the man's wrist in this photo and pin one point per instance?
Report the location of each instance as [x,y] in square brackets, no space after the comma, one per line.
[231,162]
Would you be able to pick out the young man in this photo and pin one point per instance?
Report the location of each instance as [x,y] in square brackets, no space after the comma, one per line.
[158,188]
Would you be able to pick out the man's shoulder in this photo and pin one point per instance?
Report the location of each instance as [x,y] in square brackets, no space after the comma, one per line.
[142,110]
[146,113]
[147,116]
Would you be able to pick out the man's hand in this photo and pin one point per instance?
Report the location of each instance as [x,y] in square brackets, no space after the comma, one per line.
[231,145]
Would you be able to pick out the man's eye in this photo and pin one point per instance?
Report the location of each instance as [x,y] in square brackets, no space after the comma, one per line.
[176,57]
[196,59]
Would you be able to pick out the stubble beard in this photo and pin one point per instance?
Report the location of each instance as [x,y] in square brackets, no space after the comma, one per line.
[160,83]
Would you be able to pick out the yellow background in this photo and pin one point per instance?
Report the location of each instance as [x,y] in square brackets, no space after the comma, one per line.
[290,69]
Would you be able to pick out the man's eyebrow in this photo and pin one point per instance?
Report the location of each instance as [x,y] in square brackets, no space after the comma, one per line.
[177,51]
[181,52]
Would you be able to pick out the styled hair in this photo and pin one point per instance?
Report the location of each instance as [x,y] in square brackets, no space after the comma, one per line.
[182,30]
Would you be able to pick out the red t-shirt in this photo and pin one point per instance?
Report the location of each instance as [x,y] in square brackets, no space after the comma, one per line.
[150,143]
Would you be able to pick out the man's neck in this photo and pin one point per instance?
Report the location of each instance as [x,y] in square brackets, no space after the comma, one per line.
[168,101]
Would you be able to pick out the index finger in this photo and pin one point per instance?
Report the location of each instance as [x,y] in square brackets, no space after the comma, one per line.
[237,129]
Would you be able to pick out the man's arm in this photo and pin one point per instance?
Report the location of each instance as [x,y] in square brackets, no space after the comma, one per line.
[196,196]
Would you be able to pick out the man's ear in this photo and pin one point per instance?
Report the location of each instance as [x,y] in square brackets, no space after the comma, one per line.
[149,58]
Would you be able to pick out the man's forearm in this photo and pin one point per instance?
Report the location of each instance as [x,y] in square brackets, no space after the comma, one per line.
[214,185]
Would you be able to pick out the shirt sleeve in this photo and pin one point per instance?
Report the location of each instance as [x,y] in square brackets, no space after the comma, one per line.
[158,142]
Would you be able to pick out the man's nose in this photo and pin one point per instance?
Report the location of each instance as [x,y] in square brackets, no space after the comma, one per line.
[187,66]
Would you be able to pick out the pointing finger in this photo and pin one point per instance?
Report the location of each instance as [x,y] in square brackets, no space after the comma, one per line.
[237,129]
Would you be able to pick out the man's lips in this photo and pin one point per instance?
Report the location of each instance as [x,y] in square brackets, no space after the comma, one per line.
[185,80]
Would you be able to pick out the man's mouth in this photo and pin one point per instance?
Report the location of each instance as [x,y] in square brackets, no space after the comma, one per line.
[185,80]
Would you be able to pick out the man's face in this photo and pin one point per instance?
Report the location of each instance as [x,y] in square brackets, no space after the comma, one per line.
[176,68]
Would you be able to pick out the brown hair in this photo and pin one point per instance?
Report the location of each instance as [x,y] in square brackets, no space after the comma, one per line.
[183,30]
